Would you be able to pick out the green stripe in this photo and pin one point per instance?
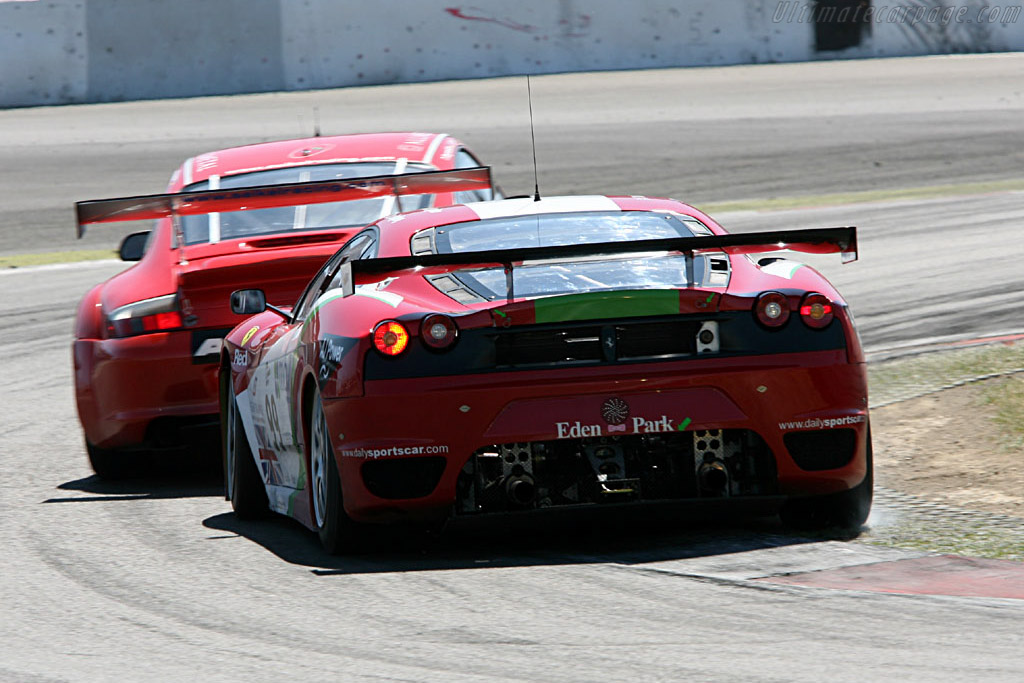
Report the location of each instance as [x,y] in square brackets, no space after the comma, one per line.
[601,305]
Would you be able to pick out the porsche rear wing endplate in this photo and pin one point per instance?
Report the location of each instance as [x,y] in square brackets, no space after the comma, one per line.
[270,196]
[813,241]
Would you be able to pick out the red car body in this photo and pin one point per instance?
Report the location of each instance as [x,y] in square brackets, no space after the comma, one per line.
[520,355]
[147,340]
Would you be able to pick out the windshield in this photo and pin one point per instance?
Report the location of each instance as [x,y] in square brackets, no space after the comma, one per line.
[579,274]
[234,224]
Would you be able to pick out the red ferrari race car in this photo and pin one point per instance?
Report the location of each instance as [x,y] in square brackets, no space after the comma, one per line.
[147,341]
[522,355]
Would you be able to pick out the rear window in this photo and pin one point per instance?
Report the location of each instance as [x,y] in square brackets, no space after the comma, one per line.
[635,271]
[236,224]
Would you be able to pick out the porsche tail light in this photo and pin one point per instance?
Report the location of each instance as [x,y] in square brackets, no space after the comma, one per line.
[772,309]
[816,310]
[438,331]
[390,337]
[159,314]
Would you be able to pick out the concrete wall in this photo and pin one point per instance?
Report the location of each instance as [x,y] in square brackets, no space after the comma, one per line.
[66,51]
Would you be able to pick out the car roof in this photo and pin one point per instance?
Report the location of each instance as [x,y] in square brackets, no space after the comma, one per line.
[428,148]
[404,226]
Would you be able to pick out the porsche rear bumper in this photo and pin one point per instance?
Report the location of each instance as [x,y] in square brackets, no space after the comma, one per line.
[127,389]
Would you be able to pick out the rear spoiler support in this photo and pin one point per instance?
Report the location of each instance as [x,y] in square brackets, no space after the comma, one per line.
[812,241]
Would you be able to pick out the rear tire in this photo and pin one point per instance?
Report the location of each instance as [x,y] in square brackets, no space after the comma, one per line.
[847,510]
[109,463]
[338,533]
[243,485]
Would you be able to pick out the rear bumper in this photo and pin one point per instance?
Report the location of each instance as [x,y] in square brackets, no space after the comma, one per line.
[453,417]
[127,389]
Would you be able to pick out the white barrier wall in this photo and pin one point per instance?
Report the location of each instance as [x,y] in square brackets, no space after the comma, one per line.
[65,51]
[43,53]
[326,43]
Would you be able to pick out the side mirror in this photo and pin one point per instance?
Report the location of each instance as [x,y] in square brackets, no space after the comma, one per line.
[248,301]
[134,246]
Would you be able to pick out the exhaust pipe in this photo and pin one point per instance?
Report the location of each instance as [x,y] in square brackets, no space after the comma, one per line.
[713,476]
[520,489]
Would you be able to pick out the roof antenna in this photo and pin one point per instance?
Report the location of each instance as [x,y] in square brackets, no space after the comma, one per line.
[316,122]
[533,140]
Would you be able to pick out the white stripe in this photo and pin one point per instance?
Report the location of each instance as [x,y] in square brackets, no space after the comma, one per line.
[214,217]
[432,150]
[300,211]
[526,206]
[389,202]
[187,174]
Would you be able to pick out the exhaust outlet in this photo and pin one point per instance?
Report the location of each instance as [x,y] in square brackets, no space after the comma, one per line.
[520,489]
[713,476]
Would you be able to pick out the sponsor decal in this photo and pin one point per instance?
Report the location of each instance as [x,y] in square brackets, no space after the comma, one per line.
[240,359]
[633,425]
[615,411]
[248,335]
[206,345]
[205,162]
[270,467]
[823,422]
[616,414]
[330,351]
[311,151]
[391,451]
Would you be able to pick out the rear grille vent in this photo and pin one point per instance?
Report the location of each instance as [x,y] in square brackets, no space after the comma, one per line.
[597,343]
[295,240]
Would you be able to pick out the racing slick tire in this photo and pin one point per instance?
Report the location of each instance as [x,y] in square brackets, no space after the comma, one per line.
[847,510]
[338,533]
[109,463]
[243,485]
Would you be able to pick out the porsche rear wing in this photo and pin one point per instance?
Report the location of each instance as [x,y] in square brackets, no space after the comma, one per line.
[811,241]
[270,196]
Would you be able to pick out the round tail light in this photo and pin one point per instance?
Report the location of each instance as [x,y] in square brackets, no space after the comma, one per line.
[390,337]
[772,309]
[438,331]
[816,310]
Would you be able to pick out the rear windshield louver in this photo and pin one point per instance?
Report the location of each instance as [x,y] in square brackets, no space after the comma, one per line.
[597,343]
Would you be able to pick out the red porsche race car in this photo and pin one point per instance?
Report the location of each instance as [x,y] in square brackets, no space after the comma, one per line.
[522,355]
[147,340]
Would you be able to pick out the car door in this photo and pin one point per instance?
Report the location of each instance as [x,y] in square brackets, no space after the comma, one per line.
[274,386]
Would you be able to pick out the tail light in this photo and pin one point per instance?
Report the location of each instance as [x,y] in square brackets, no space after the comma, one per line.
[816,310]
[438,331]
[772,309]
[159,314]
[390,337]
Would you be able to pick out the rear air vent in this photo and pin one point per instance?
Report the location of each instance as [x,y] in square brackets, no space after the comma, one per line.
[294,240]
[596,343]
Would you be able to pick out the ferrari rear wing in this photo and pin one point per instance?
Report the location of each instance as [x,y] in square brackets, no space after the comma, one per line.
[811,241]
[270,196]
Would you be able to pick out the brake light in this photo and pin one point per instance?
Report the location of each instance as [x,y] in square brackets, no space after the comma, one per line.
[816,310]
[390,337]
[772,309]
[438,331]
[159,314]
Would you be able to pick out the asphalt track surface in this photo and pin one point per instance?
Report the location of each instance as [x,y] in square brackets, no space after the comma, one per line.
[155,578]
